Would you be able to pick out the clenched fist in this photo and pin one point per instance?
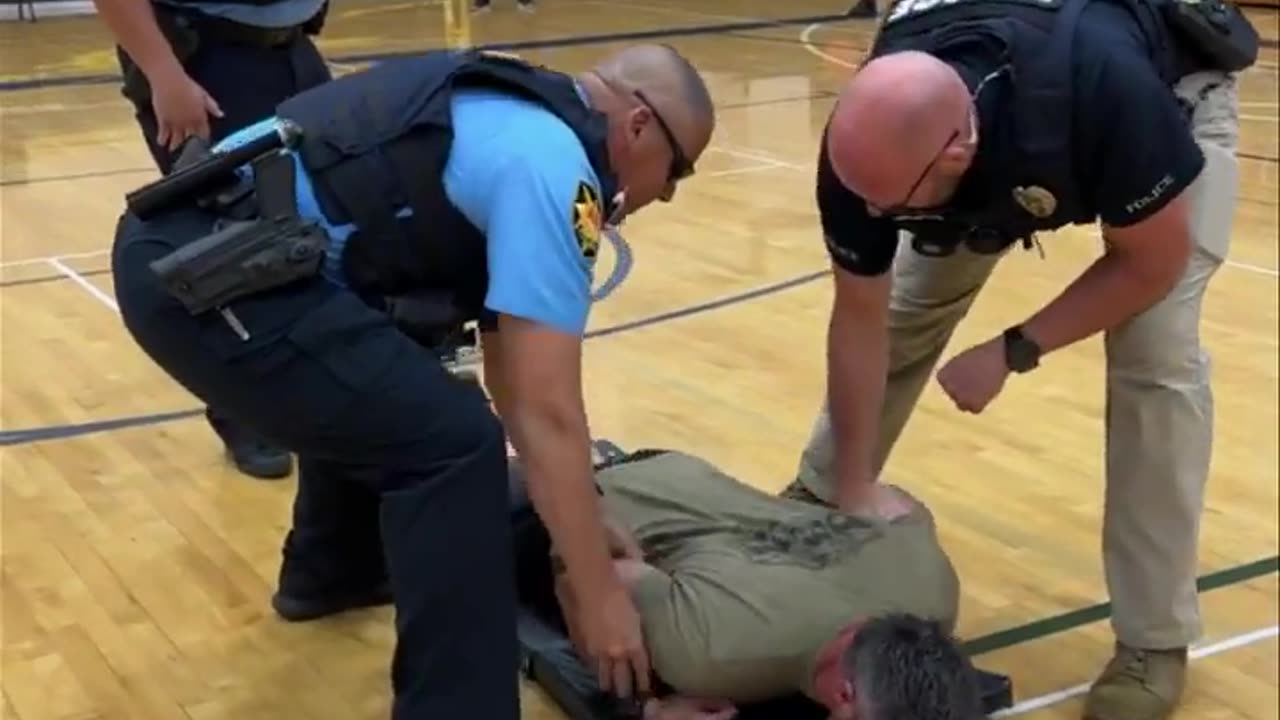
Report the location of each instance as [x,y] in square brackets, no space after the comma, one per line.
[973,378]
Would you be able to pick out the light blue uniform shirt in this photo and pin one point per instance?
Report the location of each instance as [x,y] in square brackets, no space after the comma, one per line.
[514,171]
[278,15]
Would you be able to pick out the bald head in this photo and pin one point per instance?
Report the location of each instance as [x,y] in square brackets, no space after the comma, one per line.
[671,84]
[892,119]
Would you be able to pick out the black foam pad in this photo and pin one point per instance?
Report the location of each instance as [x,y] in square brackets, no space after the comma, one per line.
[549,659]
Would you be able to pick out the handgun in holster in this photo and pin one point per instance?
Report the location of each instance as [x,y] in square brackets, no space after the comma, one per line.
[200,174]
[246,257]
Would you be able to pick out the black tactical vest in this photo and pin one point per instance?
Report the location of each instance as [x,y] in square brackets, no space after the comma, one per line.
[376,142]
[1030,176]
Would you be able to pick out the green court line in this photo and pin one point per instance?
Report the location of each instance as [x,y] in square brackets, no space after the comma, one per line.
[1076,618]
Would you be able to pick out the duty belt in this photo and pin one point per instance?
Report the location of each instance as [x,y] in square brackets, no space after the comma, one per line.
[230,32]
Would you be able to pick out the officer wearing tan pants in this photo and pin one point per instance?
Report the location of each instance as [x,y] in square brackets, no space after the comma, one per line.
[1165,240]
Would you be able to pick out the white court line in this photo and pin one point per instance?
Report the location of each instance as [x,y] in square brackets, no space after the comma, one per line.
[1053,698]
[89,287]
[758,156]
[50,259]
[805,36]
[1253,268]
[744,169]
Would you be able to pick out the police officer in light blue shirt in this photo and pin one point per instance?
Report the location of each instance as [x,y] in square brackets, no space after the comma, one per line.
[194,68]
[479,186]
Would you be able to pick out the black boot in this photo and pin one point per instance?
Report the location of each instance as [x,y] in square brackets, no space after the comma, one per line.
[251,454]
[332,557]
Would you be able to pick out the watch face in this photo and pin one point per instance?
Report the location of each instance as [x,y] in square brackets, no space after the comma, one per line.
[1023,357]
[1020,353]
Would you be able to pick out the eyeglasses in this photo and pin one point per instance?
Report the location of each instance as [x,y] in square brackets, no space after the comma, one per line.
[902,210]
[681,167]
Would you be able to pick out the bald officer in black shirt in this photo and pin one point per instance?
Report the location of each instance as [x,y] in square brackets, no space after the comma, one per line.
[975,124]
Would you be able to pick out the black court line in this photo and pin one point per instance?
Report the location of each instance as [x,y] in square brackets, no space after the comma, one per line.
[75,176]
[566,41]
[1255,156]
[1094,613]
[62,432]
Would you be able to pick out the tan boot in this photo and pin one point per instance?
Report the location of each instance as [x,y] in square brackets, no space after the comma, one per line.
[1138,685]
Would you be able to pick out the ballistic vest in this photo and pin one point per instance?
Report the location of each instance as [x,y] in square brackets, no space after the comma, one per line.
[376,142]
[1029,180]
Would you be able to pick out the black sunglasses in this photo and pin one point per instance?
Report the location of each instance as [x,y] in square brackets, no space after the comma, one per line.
[681,168]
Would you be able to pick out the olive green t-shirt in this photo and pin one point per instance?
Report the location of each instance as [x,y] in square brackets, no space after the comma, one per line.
[752,586]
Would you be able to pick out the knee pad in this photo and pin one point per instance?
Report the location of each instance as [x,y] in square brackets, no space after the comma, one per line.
[1212,201]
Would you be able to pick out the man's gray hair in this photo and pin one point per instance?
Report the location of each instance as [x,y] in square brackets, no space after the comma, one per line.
[906,668]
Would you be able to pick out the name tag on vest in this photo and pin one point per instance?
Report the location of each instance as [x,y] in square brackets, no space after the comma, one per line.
[910,9]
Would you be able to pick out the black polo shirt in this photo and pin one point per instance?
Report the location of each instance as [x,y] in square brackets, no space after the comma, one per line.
[1134,150]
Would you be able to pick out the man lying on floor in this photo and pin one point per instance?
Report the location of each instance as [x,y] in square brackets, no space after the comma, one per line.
[746,597]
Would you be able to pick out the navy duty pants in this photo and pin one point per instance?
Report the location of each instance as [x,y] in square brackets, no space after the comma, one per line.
[403,467]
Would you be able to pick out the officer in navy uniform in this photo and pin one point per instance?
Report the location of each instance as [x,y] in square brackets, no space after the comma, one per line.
[203,69]
[473,183]
[973,125]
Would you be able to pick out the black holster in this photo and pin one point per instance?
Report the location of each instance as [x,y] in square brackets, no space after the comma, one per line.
[1214,33]
[242,257]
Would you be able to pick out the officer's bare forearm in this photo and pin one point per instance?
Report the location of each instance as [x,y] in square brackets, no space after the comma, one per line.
[133,24]
[554,449]
[857,367]
[546,420]
[857,358]
[1136,272]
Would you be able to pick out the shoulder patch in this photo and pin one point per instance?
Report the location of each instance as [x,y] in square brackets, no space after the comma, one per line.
[587,219]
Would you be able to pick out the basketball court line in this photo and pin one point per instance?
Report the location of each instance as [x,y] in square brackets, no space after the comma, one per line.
[98,293]
[1196,653]
[29,83]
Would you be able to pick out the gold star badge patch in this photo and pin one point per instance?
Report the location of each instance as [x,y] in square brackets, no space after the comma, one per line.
[587,219]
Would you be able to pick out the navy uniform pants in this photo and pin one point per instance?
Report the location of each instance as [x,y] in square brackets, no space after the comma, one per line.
[248,81]
[403,467]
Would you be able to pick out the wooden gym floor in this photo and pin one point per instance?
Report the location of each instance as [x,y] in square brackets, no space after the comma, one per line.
[137,566]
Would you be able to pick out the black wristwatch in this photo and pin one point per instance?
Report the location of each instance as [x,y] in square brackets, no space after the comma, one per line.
[1021,353]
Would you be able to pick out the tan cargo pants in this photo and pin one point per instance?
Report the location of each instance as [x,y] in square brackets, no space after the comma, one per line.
[1159,403]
